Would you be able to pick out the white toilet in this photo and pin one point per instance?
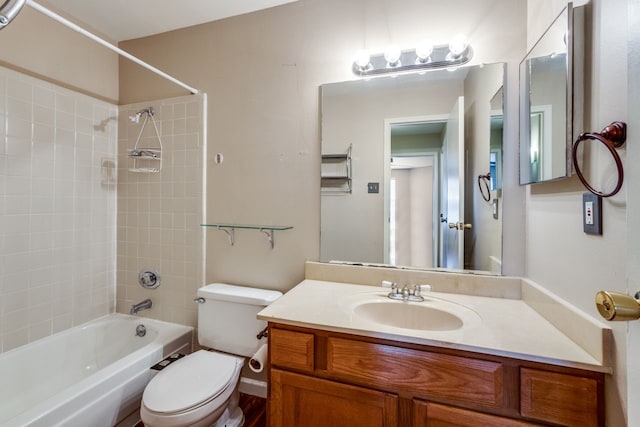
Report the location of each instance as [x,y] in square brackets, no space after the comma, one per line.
[201,389]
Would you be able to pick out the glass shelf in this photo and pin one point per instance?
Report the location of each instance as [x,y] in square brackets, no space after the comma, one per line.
[229,229]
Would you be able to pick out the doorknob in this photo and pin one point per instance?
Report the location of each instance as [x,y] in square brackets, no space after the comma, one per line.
[460,226]
[616,306]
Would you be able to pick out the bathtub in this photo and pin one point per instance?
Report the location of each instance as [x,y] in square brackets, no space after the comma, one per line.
[90,375]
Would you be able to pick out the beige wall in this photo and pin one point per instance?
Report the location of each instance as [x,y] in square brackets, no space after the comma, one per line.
[35,44]
[262,72]
[560,256]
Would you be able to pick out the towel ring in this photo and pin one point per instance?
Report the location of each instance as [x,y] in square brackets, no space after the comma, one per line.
[612,137]
[485,179]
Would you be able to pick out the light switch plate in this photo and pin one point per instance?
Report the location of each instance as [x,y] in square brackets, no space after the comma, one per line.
[592,214]
[373,187]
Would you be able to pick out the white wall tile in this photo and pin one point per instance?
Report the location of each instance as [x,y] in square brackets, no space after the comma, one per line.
[157,220]
[57,242]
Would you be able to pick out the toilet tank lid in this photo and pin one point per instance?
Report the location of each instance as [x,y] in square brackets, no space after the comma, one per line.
[239,294]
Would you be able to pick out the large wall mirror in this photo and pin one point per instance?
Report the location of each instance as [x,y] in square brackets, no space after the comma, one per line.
[551,99]
[416,145]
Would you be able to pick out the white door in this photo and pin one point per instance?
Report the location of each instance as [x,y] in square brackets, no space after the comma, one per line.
[453,187]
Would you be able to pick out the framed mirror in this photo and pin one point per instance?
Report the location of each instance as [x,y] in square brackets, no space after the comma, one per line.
[416,144]
[551,99]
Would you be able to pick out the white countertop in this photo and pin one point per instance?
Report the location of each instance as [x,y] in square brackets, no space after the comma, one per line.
[498,326]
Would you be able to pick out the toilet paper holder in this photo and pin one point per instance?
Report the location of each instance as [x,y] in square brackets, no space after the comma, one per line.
[614,306]
[263,333]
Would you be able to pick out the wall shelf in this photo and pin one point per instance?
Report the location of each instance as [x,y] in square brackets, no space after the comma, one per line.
[230,229]
[335,174]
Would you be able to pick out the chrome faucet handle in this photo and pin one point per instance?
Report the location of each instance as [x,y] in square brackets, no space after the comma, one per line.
[394,294]
[418,289]
[391,285]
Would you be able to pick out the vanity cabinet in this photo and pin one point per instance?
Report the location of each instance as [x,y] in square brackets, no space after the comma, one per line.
[327,378]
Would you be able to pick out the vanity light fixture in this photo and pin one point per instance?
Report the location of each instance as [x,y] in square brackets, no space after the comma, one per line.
[426,55]
[363,60]
[392,55]
[458,46]
[424,49]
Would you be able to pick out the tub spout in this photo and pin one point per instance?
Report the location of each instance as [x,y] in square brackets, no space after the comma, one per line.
[142,305]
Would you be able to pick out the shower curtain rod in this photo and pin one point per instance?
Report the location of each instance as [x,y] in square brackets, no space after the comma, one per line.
[108,45]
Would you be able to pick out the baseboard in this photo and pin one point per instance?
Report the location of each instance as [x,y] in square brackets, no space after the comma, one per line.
[253,387]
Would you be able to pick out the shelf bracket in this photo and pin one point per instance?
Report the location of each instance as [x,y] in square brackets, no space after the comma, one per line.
[231,234]
[269,234]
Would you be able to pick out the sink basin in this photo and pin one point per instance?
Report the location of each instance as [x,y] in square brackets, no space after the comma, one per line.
[408,316]
[435,315]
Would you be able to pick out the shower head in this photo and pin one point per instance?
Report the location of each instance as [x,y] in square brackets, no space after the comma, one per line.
[135,118]
[9,10]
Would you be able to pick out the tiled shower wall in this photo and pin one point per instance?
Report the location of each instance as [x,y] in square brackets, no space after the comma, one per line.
[57,208]
[159,214]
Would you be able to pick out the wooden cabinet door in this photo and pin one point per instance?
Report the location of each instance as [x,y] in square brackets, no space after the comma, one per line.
[434,415]
[299,400]
[559,398]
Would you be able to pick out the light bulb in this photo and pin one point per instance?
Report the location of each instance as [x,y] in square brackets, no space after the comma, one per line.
[458,45]
[392,56]
[424,48]
[362,58]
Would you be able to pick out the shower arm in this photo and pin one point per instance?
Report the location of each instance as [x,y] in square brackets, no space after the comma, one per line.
[10,10]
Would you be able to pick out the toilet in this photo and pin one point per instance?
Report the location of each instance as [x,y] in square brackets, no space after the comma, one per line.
[201,389]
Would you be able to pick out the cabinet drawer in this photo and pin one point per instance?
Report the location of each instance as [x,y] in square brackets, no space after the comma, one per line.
[291,349]
[434,415]
[558,398]
[423,373]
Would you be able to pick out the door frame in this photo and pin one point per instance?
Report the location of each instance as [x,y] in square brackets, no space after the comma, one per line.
[386,167]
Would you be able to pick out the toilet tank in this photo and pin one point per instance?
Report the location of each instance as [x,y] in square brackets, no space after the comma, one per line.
[227,317]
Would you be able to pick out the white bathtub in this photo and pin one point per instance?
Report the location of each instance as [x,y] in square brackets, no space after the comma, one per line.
[91,375]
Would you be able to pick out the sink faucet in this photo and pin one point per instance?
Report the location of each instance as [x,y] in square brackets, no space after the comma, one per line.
[142,305]
[406,294]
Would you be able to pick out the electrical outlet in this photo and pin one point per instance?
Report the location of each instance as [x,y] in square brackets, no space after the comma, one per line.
[592,214]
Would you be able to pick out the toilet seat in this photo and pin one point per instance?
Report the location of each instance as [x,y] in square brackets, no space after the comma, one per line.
[192,382]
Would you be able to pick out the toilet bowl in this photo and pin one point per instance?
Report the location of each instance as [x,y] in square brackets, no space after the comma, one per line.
[199,390]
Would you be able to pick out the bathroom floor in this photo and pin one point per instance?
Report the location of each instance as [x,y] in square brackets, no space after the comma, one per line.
[254,408]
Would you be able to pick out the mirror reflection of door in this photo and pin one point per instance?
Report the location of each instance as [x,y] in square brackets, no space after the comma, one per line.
[414,193]
[453,178]
[425,191]
[496,129]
